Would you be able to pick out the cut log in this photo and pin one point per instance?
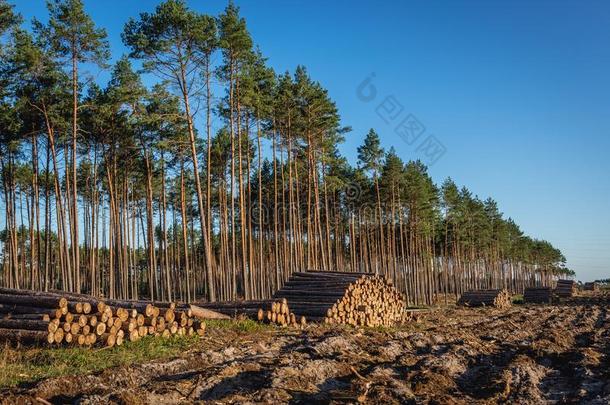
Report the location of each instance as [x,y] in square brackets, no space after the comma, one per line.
[22,309]
[67,318]
[538,295]
[24,324]
[336,297]
[33,317]
[489,298]
[33,301]
[14,336]
[565,288]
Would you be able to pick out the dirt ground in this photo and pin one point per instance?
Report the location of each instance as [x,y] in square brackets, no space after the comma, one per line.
[527,354]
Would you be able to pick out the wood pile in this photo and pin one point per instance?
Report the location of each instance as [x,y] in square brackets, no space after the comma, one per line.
[274,311]
[538,295]
[565,288]
[59,318]
[591,286]
[359,299]
[486,298]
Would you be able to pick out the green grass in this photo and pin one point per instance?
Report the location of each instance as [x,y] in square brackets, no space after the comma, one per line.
[26,364]
[31,364]
[245,325]
[518,299]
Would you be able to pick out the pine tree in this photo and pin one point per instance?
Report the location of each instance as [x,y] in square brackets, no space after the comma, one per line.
[370,156]
[236,46]
[175,43]
[8,18]
[74,36]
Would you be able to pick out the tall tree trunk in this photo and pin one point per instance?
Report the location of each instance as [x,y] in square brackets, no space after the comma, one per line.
[75,241]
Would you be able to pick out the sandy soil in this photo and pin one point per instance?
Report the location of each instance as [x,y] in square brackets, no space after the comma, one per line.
[522,355]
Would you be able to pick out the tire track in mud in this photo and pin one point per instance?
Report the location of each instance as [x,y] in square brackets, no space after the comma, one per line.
[562,362]
[533,355]
[571,356]
[488,374]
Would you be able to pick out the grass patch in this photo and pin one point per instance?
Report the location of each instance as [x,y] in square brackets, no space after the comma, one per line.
[25,365]
[518,299]
[241,325]
[386,329]
[29,364]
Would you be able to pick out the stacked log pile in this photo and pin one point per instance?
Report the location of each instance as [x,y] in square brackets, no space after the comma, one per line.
[59,318]
[538,295]
[274,311]
[565,288]
[591,286]
[359,299]
[486,298]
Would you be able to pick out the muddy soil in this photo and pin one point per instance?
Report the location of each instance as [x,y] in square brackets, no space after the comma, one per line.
[527,354]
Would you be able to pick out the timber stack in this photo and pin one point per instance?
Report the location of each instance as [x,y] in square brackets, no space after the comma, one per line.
[60,318]
[358,299]
[591,286]
[565,288]
[273,311]
[538,295]
[486,298]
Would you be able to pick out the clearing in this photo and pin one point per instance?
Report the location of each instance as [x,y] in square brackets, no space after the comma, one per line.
[523,354]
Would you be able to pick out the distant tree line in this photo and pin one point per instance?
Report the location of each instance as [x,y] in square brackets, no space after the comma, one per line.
[124,190]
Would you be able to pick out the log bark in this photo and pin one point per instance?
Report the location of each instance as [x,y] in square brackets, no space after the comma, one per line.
[203,313]
[18,309]
[24,324]
[33,301]
[23,336]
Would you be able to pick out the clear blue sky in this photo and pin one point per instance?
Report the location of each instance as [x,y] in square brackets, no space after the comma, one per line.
[518,92]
